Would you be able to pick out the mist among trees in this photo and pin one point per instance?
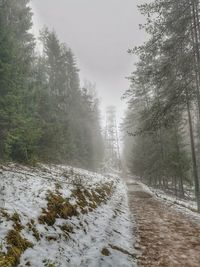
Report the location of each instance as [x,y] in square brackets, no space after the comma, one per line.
[163,116]
[73,190]
[45,115]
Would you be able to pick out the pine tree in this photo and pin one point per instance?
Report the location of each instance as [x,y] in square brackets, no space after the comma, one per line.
[167,77]
[17,129]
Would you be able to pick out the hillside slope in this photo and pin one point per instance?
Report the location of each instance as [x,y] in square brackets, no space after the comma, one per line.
[58,216]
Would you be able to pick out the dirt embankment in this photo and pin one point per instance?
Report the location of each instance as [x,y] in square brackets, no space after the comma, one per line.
[166,237]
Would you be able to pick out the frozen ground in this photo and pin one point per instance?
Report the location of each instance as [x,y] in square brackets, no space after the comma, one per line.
[66,216]
[168,235]
[184,206]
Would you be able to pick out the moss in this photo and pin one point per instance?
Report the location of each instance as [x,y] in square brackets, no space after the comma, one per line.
[81,200]
[48,263]
[5,215]
[32,227]
[58,186]
[14,240]
[17,222]
[97,198]
[47,217]
[87,194]
[105,252]
[67,230]
[16,245]
[6,261]
[57,207]
[16,218]
[51,238]
[87,201]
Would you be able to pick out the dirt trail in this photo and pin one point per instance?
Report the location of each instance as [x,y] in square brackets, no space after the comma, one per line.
[167,238]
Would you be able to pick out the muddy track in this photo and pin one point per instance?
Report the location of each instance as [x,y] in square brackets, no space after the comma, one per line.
[166,237]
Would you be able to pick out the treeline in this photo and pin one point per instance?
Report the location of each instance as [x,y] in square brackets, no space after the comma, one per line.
[44,113]
[163,118]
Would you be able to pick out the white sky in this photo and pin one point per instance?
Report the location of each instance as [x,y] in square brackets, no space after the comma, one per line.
[99,32]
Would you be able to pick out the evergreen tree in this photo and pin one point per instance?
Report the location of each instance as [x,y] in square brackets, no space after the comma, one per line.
[44,113]
[18,130]
[67,112]
[166,79]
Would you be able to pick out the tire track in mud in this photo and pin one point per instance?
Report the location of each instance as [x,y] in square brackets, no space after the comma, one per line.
[165,237]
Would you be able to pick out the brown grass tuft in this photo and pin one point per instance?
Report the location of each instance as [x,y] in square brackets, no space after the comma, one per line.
[57,207]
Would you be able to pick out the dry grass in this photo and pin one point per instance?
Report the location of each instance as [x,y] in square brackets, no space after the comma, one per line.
[105,252]
[57,207]
[32,228]
[86,201]
[67,230]
[122,250]
[16,244]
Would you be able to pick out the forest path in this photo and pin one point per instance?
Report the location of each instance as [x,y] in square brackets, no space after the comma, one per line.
[166,237]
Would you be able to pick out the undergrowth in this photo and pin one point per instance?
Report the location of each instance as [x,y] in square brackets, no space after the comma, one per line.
[16,244]
[58,207]
[85,201]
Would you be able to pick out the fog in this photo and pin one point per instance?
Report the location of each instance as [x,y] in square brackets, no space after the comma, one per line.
[70,178]
[99,33]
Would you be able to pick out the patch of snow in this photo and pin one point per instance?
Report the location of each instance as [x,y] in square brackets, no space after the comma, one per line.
[109,226]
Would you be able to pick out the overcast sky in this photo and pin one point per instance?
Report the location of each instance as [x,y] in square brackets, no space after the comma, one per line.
[99,33]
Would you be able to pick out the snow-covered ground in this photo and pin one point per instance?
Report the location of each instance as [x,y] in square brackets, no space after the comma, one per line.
[59,216]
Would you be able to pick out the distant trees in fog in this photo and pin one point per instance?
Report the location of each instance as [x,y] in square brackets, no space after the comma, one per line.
[45,115]
[163,118]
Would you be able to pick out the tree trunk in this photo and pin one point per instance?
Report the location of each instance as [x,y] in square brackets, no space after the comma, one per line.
[194,161]
[181,188]
[195,30]
[175,186]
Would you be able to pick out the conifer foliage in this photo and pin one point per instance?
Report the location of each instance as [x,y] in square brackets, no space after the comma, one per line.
[164,99]
[45,115]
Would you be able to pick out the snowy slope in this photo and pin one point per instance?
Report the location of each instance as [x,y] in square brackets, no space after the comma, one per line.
[58,216]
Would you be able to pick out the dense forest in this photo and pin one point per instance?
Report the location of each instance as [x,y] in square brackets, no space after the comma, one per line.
[163,118]
[66,182]
[45,115]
